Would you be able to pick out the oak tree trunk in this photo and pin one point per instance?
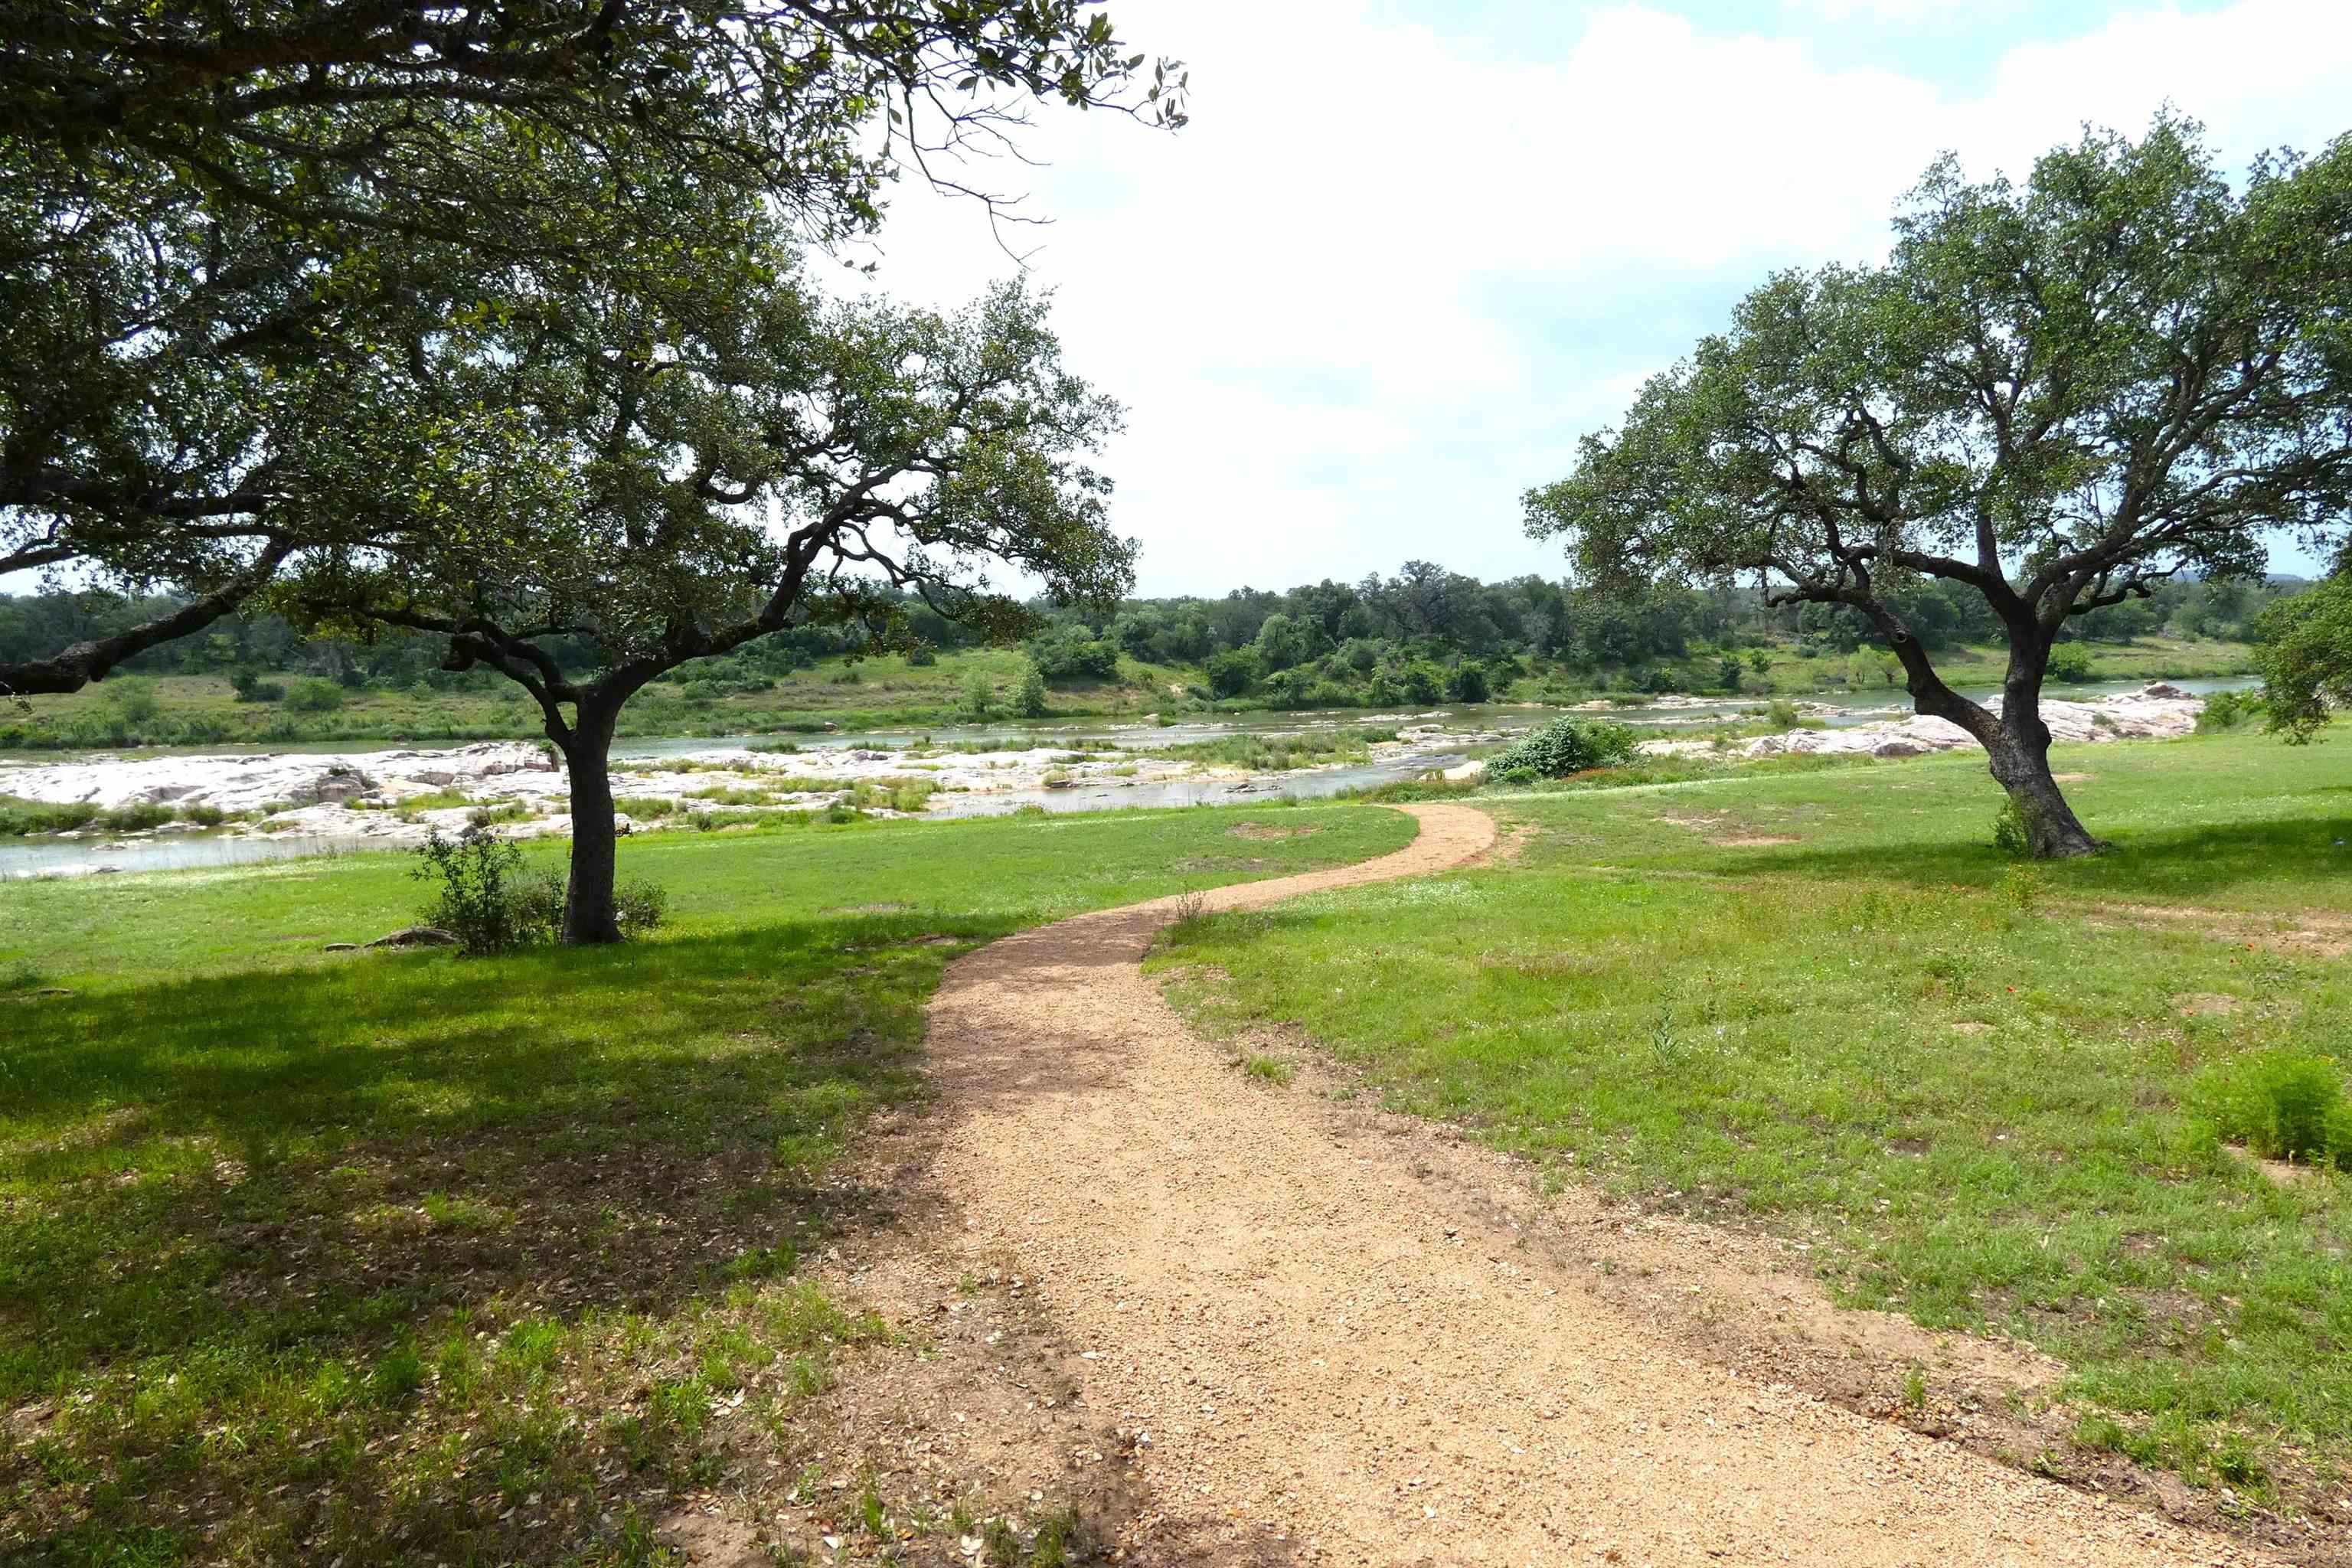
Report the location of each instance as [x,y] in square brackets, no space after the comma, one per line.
[588,916]
[2020,762]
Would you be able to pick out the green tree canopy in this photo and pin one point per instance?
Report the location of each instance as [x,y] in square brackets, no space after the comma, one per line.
[2057,395]
[2303,650]
[716,455]
[227,230]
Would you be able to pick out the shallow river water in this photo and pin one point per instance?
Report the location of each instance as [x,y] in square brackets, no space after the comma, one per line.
[51,856]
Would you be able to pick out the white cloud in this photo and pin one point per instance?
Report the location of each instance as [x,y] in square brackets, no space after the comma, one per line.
[1902,13]
[1382,282]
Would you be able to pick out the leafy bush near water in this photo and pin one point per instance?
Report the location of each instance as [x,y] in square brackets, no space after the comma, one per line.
[2228,710]
[492,906]
[1562,747]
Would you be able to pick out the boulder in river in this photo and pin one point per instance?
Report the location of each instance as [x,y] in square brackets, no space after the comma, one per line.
[333,786]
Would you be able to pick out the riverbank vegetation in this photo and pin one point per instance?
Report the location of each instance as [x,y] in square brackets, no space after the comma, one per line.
[1990,1095]
[183,707]
[495,1260]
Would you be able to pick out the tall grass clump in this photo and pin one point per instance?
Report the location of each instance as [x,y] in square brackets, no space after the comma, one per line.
[2283,1104]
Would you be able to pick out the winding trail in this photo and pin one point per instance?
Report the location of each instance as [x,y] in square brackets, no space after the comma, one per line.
[1331,1367]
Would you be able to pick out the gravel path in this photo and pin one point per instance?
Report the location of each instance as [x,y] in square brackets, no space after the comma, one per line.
[1325,1366]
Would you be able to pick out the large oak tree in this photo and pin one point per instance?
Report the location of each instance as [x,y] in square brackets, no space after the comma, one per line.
[223,226]
[2056,394]
[721,456]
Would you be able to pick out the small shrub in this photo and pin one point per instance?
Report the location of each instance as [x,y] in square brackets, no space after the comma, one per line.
[639,909]
[2228,710]
[1031,698]
[979,695]
[20,817]
[2009,835]
[132,697]
[1782,715]
[1562,747]
[314,696]
[251,687]
[922,655]
[2283,1104]
[2070,665]
[483,900]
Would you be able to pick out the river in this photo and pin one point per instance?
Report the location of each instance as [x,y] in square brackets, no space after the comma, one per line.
[52,856]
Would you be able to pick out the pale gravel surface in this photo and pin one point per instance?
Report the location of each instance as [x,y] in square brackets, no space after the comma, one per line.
[1330,1366]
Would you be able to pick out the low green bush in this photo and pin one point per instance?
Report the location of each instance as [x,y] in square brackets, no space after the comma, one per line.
[2283,1104]
[1562,747]
[2070,665]
[2228,710]
[314,696]
[491,905]
[19,819]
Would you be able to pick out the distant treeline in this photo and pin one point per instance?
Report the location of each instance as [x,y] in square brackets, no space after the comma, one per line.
[1422,634]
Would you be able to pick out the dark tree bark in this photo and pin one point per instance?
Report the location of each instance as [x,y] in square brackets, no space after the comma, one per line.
[2020,763]
[2016,740]
[2020,750]
[587,745]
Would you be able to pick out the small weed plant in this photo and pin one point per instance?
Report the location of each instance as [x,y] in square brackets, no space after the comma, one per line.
[2009,831]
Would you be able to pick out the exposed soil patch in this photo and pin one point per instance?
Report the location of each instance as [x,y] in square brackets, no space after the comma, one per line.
[2306,934]
[2284,1172]
[2207,1005]
[1268,830]
[1754,840]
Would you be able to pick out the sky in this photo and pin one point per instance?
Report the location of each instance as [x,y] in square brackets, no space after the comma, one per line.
[1408,251]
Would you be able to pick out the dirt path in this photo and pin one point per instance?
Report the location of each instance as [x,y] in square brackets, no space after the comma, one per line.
[1328,1366]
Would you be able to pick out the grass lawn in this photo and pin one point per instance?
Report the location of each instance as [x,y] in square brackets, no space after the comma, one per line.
[1968,667]
[1820,1002]
[405,1257]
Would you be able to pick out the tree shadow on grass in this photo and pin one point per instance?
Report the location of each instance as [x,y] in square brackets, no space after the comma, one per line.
[246,1219]
[2183,866]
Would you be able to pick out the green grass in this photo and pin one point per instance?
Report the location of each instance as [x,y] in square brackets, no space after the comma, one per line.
[2143,658]
[25,818]
[1270,754]
[1973,1088]
[405,1257]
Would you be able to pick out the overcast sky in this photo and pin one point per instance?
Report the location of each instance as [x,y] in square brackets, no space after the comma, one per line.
[1408,250]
